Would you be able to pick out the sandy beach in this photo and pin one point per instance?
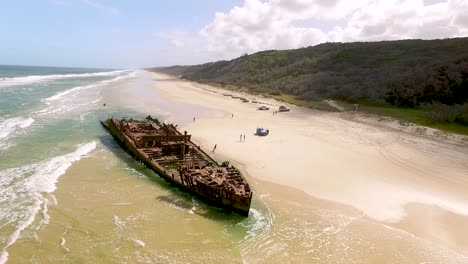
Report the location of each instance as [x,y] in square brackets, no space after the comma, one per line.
[416,184]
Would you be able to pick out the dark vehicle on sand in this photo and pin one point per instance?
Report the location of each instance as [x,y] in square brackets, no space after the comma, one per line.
[262,131]
[283,108]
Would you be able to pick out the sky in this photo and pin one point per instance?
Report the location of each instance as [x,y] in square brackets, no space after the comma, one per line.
[146,33]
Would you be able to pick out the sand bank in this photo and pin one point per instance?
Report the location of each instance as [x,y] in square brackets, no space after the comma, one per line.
[373,168]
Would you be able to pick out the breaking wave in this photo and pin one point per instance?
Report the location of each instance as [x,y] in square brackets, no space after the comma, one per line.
[61,94]
[85,87]
[11,125]
[261,222]
[62,102]
[45,78]
[23,191]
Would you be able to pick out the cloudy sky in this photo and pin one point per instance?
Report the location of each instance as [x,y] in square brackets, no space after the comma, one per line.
[143,33]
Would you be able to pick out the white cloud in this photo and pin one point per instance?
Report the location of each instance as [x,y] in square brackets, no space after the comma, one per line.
[105,8]
[176,38]
[273,24]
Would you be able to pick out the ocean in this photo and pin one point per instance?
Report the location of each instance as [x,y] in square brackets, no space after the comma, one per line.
[69,194]
[49,121]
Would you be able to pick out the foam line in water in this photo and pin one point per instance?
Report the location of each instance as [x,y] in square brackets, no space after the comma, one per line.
[22,191]
[45,78]
[9,126]
[118,223]
[74,98]
[49,172]
[138,242]
[259,223]
[55,105]
[61,94]
[12,239]
[62,244]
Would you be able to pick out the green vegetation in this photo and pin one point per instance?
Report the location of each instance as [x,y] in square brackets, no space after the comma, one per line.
[414,115]
[422,81]
[288,98]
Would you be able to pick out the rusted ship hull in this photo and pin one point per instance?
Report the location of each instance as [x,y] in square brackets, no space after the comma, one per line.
[213,195]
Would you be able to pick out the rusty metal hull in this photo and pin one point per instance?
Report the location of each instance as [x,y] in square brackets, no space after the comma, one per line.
[218,198]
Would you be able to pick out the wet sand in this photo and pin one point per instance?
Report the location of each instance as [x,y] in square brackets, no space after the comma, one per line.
[406,181]
[122,213]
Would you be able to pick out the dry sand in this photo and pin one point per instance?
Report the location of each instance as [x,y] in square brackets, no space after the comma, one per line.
[411,182]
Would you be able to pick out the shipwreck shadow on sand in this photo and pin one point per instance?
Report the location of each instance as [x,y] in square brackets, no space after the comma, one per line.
[177,197]
[195,206]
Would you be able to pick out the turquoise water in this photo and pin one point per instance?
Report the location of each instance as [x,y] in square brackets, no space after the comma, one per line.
[49,109]
[49,120]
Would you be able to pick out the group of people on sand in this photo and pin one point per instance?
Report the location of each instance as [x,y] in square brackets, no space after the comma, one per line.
[242,137]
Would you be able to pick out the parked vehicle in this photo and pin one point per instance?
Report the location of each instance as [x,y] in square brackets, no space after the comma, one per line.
[263,108]
[283,108]
[262,131]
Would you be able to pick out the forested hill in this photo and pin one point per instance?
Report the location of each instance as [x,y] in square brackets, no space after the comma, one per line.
[406,73]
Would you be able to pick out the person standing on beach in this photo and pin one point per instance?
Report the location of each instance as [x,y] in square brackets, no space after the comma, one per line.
[232,116]
[194,119]
[215,147]
[244,137]
[240,138]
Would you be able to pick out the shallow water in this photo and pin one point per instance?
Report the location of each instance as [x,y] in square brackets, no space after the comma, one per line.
[70,194]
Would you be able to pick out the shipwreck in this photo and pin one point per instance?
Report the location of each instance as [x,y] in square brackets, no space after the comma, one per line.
[174,157]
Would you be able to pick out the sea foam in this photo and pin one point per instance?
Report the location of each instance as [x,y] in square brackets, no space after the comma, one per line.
[22,191]
[138,242]
[9,126]
[118,223]
[61,94]
[259,223]
[62,102]
[45,78]
[85,87]
[75,98]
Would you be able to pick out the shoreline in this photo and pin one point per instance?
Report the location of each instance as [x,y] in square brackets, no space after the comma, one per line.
[387,111]
[206,132]
[363,117]
[369,118]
